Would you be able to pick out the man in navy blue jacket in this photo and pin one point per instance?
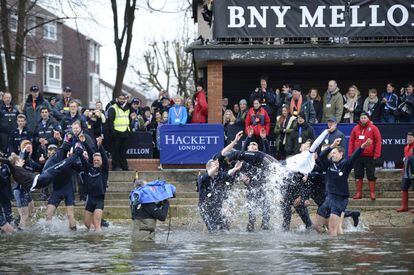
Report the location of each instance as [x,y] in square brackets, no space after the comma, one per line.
[95,177]
[337,169]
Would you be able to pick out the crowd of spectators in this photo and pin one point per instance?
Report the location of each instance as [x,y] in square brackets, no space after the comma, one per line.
[291,111]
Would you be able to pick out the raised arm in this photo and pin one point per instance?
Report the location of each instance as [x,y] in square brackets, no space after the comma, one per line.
[318,141]
[230,147]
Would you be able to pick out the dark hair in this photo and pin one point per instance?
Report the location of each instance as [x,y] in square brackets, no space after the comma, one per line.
[410,84]
[340,149]
[318,96]
[44,108]
[391,84]
[263,77]
[77,122]
[373,91]
[74,101]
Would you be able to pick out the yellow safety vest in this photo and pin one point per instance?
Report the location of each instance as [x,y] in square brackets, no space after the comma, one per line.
[121,122]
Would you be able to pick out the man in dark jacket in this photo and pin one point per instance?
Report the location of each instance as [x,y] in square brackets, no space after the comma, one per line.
[302,132]
[45,132]
[334,133]
[118,120]
[62,106]
[406,106]
[338,169]
[301,104]
[34,103]
[95,177]
[72,116]
[266,97]
[8,120]
[18,134]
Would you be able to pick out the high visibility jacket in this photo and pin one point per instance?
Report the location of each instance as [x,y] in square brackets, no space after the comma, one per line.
[121,122]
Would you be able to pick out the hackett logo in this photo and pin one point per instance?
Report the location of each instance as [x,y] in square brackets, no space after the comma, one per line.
[190,140]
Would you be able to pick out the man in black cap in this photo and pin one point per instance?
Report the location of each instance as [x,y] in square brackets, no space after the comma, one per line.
[34,103]
[334,133]
[62,105]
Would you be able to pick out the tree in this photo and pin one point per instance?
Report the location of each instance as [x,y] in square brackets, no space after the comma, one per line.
[167,66]
[13,42]
[123,41]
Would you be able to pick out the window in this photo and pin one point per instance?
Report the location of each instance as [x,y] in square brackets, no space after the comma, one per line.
[13,21]
[31,23]
[94,88]
[53,72]
[3,60]
[91,51]
[49,31]
[97,52]
[31,66]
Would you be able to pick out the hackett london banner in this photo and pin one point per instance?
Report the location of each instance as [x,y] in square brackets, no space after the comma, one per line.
[190,143]
[313,18]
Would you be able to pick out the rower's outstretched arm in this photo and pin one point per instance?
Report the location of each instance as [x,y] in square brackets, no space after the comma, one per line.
[318,141]
[230,147]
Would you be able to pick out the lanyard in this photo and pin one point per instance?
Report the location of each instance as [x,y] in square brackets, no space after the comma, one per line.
[179,113]
[300,131]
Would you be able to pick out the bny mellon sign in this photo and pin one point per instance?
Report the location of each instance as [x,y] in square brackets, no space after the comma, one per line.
[313,18]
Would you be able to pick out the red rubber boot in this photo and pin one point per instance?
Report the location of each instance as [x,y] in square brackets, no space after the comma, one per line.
[404,201]
[372,190]
[358,194]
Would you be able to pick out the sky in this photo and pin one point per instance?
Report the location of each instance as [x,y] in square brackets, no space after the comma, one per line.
[149,26]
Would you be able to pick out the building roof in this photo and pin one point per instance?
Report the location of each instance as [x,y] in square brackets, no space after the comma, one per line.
[126,90]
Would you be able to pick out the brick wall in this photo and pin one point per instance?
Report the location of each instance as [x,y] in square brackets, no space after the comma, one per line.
[215,90]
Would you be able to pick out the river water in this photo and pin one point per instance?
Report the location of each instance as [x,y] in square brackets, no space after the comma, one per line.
[53,249]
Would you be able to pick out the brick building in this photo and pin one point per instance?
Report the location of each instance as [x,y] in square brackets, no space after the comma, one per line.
[56,56]
[231,67]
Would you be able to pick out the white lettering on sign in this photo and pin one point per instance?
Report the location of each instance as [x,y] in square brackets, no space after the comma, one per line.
[393,141]
[280,15]
[191,140]
[391,12]
[138,151]
[254,14]
[191,148]
[236,14]
[306,16]
[337,14]
[354,11]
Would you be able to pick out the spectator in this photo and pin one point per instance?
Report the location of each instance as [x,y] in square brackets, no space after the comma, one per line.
[389,104]
[62,105]
[372,106]
[352,105]
[408,171]
[18,135]
[72,116]
[333,103]
[263,144]
[52,101]
[166,104]
[300,104]
[284,126]
[283,97]
[136,106]
[95,123]
[302,132]
[225,104]
[45,132]
[137,122]
[334,133]
[265,96]
[200,112]
[189,106]
[241,115]
[148,118]
[157,104]
[316,100]
[257,118]
[8,120]
[32,107]
[228,119]
[177,115]
[236,109]
[406,107]
[118,119]
[361,133]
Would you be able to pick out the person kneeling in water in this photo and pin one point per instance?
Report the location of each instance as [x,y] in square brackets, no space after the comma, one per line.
[149,203]
[337,172]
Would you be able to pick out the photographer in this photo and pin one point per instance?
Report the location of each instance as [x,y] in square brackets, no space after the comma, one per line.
[149,203]
[405,110]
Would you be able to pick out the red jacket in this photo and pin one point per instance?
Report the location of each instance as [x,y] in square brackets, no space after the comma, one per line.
[360,134]
[257,120]
[200,112]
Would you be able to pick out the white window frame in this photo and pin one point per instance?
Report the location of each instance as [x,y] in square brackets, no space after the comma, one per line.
[94,89]
[3,59]
[47,34]
[52,84]
[34,66]
[97,55]
[31,23]
[13,16]
[91,51]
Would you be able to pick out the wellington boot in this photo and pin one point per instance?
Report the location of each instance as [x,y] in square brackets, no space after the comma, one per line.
[404,202]
[358,194]
[372,190]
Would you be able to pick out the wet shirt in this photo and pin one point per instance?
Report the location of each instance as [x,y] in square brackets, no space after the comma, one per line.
[214,190]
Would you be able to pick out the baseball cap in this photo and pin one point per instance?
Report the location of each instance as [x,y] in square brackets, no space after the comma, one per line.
[34,88]
[333,119]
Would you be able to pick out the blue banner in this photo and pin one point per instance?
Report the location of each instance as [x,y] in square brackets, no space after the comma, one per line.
[190,143]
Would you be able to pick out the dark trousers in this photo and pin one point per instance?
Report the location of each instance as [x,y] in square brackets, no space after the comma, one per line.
[362,165]
[119,153]
[4,142]
[289,197]
[256,199]
[5,204]
[46,177]
[212,217]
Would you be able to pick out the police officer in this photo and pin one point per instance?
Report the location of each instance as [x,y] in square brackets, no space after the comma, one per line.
[8,120]
[118,119]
